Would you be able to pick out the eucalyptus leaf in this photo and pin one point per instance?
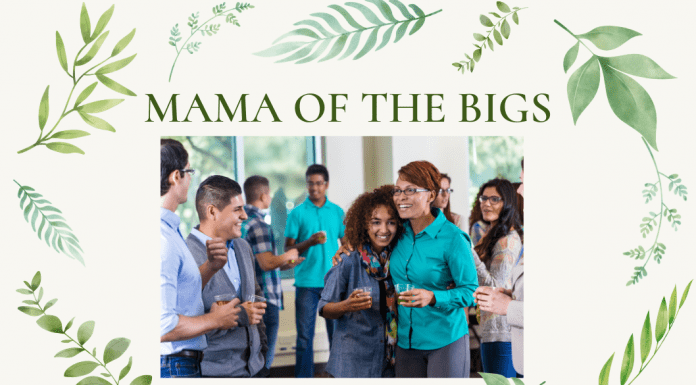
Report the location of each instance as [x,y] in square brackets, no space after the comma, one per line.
[85,25]
[609,37]
[142,380]
[497,37]
[93,50]
[60,48]
[517,381]
[29,310]
[103,21]
[645,339]
[115,85]
[50,323]
[582,87]
[570,57]
[115,66]
[477,54]
[126,369]
[43,109]
[494,379]
[99,106]
[85,332]
[505,29]
[85,93]
[516,18]
[661,321]
[685,293]
[604,373]
[485,21]
[93,380]
[64,148]
[41,291]
[479,37]
[637,65]
[115,348]
[80,369]
[123,43]
[672,306]
[36,281]
[69,134]
[69,352]
[502,6]
[631,103]
[24,291]
[50,303]
[627,363]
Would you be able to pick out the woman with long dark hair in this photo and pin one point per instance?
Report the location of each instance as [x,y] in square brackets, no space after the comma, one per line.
[495,256]
[442,201]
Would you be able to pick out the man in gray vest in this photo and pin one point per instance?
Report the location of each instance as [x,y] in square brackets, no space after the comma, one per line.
[238,352]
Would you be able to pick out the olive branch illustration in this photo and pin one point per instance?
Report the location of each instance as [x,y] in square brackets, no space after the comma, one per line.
[205,29]
[320,37]
[52,227]
[113,350]
[485,41]
[497,379]
[631,103]
[663,325]
[97,37]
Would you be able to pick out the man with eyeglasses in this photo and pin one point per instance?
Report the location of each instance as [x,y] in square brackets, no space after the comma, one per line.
[182,322]
[313,228]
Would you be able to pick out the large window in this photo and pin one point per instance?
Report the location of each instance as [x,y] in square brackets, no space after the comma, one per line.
[493,157]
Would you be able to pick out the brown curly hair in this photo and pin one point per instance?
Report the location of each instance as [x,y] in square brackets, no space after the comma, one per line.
[360,212]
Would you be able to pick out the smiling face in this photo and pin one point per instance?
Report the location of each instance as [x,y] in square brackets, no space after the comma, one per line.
[490,210]
[443,197]
[381,228]
[316,187]
[228,222]
[414,206]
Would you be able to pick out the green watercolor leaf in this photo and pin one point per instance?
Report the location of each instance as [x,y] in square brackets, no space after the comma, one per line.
[631,103]
[85,25]
[115,85]
[93,50]
[516,18]
[384,9]
[582,87]
[517,381]
[402,8]
[115,348]
[477,54]
[99,106]
[485,21]
[126,369]
[24,291]
[32,311]
[627,364]
[80,369]
[36,281]
[661,322]
[69,134]
[64,148]
[369,44]
[672,306]
[637,65]
[115,66]
[336,49]
[69,352]
[502,6]
[570,57]
[96,122]
[494,379]
[142,380]
[479,37]
[685,293]
[123,43]
[41,292]
[50,303]
[505,29]
[60,48]
[103,21]
[85,332]
[50,323]
[85,93]
[609,37]
[604,373]
[93,380]
[43,109]
[497,37]
[298,32]
[645,339]
[280,49]
[70,323]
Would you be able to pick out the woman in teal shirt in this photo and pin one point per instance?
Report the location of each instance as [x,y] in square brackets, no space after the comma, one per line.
[432,327]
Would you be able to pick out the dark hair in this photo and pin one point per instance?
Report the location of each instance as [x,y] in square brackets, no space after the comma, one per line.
[476,214]
[447,210]
[421,173]
[520,202]
[522,163]
[216,190]
[173,157]
[254,187]
[318,169]
[360,212]
[507,219]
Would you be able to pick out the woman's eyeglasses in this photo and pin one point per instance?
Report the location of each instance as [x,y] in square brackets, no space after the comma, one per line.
[408,191]
[447,190]
[494,200]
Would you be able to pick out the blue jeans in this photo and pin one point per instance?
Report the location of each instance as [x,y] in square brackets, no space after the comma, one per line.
[179,367]
[272,321]
[497,358]
[306,301]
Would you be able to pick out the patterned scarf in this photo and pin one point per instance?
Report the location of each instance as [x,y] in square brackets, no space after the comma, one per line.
[377,267]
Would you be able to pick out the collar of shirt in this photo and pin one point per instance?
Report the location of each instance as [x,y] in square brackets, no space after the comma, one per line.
[432,229]
[231,268]
[253,211]
[309,201]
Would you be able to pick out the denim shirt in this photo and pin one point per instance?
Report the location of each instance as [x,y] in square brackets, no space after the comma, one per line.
[358,347]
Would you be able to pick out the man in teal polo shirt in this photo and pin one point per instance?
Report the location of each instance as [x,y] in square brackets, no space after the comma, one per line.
[313,228]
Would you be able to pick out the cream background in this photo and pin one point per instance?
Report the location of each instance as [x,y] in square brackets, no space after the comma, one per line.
[584,182]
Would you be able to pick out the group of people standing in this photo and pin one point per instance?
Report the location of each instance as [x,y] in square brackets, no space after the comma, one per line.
[395,302]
